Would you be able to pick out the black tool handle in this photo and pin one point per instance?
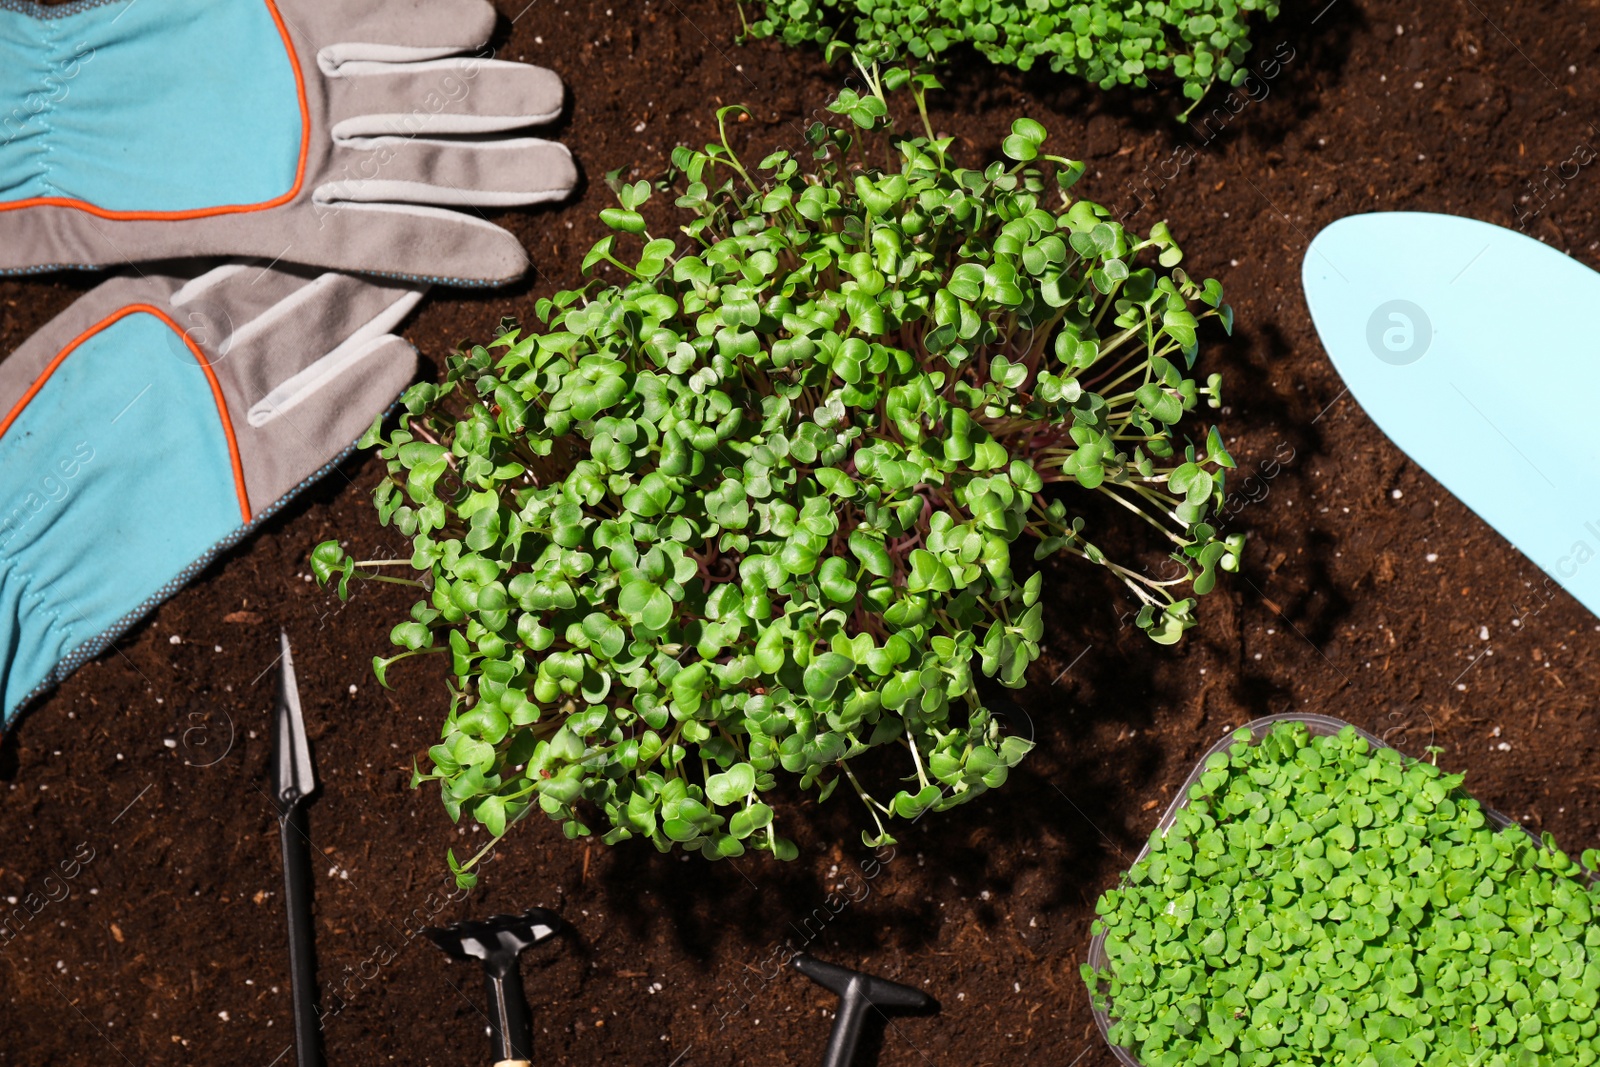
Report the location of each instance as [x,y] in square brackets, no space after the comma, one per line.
[846,1033]
[302,963]
[857,992]
[510,1023]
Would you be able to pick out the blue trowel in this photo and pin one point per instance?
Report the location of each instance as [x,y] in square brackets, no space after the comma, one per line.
[1477,350]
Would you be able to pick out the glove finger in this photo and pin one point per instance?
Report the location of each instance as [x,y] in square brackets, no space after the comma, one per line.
[458,95]
[314,419]
[271,345]
[415,242]
[214,305]
[393,31]
[506,173]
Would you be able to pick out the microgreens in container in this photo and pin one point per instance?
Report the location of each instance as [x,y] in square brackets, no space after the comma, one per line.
[752,511]
[1315,898]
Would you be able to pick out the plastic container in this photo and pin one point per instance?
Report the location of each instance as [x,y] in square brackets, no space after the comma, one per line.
[1320,726]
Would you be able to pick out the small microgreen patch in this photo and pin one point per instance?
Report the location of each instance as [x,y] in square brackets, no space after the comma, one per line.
[751,512]
[1105,42]
[1321,902]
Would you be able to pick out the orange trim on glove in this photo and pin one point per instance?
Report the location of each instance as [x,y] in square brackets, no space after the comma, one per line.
[205,365]
[205,212]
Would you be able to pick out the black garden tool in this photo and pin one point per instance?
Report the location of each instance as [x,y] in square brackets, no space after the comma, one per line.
[857,994]
[293,781]
[496,942]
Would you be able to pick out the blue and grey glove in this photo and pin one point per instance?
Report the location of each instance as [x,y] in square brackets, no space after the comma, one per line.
[340,134]
[157,421]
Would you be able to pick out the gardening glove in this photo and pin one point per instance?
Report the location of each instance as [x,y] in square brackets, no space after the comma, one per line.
[348,135]
[157,421]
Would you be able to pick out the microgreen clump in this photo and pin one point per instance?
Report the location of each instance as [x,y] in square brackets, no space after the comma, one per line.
[751,512]
[1319,902]
[1105,42]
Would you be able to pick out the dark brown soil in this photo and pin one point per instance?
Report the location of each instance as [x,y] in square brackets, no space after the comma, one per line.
[1367,593]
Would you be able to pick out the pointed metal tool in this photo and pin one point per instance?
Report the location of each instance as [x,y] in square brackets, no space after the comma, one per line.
[857,993]
[496,942]
[293,782]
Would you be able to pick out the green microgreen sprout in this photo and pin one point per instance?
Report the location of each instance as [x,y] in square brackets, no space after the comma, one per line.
[1105,42]
[751,511]
[1321,902]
